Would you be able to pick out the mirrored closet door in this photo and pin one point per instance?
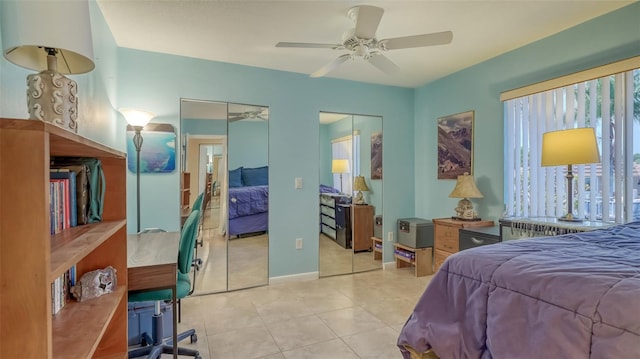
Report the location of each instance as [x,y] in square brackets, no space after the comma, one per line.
[350,193]
[219,141]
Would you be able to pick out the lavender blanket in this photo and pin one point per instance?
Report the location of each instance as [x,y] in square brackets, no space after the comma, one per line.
[570,296]
[245,201]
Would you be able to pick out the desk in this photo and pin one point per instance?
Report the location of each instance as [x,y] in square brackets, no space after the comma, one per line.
[152,263]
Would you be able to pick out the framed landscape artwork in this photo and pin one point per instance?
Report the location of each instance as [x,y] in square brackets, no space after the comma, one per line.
[158,152]
[455,145]
[376,155]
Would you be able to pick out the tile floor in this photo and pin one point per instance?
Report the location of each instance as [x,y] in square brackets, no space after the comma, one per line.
[351,316]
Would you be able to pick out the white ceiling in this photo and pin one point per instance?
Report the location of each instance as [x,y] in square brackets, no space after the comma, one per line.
[245,32]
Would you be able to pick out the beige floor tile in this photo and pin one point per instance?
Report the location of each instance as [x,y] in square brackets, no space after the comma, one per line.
[376,344]
[273,356]
[244,343]
[332,349]
[285,309]
[350,321]
[299,332]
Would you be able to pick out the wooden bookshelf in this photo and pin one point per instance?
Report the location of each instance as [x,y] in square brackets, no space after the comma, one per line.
[185,190]
[31,258]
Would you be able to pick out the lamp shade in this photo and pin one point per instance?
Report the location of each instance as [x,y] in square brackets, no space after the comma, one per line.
[136,117]
[340,166]
[359,184]
[465,188]
[569,147]
[64,25]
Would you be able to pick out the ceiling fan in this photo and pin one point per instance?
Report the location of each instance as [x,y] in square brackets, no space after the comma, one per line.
[362,42]
[260,113]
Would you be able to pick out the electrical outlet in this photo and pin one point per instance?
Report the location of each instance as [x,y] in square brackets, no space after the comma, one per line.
[389,236]
[298,243]
[298,183]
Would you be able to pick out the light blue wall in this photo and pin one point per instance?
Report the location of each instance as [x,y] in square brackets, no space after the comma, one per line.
[248,144]
[157,82]
[204,127]
[611,37]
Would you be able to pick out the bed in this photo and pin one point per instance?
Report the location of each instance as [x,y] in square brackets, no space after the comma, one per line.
[570,296]
[248,201]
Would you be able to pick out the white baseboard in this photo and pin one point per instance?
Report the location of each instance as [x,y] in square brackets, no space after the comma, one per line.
[294,278]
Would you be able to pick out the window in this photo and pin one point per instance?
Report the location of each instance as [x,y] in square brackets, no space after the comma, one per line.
[348,148]
[605,191]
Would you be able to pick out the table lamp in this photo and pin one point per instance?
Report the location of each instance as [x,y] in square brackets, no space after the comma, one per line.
[465,188]
[137,119]
[359,185]
[340,166]
[53,37]
[569,147]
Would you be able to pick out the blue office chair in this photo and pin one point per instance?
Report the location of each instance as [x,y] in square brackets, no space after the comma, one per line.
[185,262]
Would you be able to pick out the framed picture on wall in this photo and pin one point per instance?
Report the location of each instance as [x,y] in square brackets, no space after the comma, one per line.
[376,155]
[158,151]
[455,145]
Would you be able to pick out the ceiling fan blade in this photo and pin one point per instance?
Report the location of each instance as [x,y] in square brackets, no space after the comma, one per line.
[307,45]
[407,42]
[383,63]
[368,18]
[331,66]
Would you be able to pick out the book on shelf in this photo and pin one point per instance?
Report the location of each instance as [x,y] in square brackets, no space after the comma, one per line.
[81,189]
[71,193]
[61,289]
[61,213]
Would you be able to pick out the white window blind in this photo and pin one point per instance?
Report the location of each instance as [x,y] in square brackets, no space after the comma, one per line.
[603,191]
[348,148]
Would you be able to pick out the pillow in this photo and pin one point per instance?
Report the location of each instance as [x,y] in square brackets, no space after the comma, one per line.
[235,178]
[258,176]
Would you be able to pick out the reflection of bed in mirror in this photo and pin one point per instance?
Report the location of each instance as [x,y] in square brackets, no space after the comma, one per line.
[248,201]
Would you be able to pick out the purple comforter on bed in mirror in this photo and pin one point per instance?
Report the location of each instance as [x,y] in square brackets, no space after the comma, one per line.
[569,296]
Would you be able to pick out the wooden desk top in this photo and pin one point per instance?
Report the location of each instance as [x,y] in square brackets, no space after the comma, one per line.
[152,249]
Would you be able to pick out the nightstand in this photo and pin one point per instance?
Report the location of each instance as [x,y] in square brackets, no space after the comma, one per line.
[446,237]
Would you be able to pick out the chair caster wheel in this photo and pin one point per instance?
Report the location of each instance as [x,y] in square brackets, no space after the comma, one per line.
[194,338]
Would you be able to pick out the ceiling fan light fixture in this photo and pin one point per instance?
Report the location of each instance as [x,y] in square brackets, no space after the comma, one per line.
[361,50]
[362,42]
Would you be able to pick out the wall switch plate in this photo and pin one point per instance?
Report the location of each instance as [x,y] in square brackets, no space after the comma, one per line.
[298,183]
[298,243]
[389,236]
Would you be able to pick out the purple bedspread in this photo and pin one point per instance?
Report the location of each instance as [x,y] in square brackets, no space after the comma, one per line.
[570,296]
[245,201]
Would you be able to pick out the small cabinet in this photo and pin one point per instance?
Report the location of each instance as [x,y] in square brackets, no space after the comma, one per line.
[377,248]
[446,236]
[362,227]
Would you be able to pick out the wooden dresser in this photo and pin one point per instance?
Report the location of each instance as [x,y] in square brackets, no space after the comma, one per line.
[362,219]
[446,237]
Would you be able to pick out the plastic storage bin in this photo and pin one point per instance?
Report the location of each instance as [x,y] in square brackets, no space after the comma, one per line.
[140,320]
